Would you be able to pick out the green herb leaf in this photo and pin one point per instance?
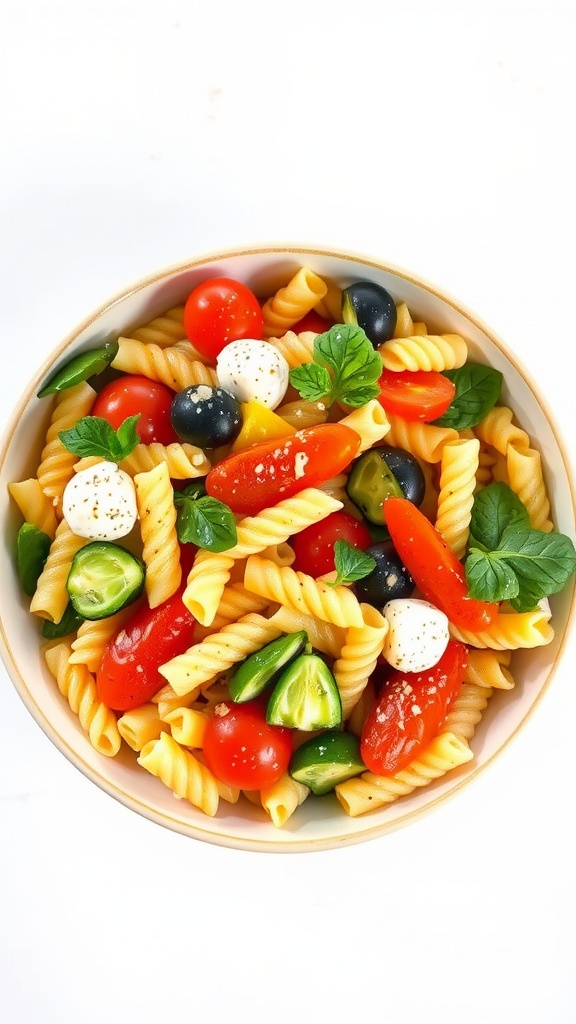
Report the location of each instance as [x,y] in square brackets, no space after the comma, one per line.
[93,435]
[488,575]
[495,507]
[80,368]
[204,521]
[354,363]
[477,391]
[32,547]
[351,563]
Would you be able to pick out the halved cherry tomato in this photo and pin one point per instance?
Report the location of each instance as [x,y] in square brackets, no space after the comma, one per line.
[258,477]
[410,711]
[314,546]
[128,676]
[219,311]
[134,394]
[312,321]
[421,395]
[242,749]
[438,574]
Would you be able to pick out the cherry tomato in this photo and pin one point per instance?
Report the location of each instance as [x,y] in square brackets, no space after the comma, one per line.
[312,321]
[438,574]
[409,712]
[134,394]
[242,749]
[421,395]
[262,475]
[128,676]
[219,311]
[314,546]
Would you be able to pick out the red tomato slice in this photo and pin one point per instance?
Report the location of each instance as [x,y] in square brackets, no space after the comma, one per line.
[312,321]
[129,676]
[219,311]
[262,475]
[421,395]
[314,546]
[134,394]
[438,574]
[242,749]
[409,712]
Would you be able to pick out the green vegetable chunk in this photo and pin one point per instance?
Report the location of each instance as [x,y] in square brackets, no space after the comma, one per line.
[260,668]
[32,547]
[306,696]
[103,579]
[68,624]
[324,761]
[80,368]
[370,483]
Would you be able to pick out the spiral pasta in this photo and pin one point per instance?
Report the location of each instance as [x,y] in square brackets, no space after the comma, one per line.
[358,656]
[181,772]
[296,348]
[425,440]
[187,726]
[281,799]
[509,631]
[370,422]
[56,461]
[160,551]
[35,506]
[428,352]
[139,726]
[93,636]
[466,711]
[301,592]
[77,685]
[184,461]
[290,303]
[458,468]
[50,599]
[170,366]
[163,330]
[490,669]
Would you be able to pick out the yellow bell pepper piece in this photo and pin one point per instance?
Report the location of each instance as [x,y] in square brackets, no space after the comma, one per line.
[259,424]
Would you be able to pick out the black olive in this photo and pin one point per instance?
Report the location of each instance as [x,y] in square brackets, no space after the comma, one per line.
[382,473]
[372,308]
[388,581]
[205,416]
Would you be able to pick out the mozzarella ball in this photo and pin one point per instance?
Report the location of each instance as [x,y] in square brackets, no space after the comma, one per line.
[417,636]
[99,503]
[253,371]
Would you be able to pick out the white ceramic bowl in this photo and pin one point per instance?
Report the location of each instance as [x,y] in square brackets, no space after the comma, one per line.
[317,824]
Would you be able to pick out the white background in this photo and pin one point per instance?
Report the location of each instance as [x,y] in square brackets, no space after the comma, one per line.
[434,136]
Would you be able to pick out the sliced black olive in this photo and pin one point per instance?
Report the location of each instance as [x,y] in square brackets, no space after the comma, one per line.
[372,308]
[382,473]
[205,416]
[388,581]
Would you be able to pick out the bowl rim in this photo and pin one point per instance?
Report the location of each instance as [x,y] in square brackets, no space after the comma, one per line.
[165,819]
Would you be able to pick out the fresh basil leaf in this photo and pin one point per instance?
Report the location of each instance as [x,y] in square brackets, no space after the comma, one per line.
[68,624]
[32,547]
[542,562]
[80,368]
[495,508]
[354,368]
[312,382]
[351,563]
[489,578]
[478,389]
[205,522]
[93,435]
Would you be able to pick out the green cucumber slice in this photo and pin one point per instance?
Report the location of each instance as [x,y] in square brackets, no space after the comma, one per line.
[306,696]
[80,368]
[324,761]
[32,547]
[103,579]
[256,672]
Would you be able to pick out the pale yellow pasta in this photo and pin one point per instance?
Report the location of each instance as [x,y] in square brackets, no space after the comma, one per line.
[93,636]
[36,507]
[362,709]
[458,468]
[510,630]
[56,461]
[404,322]
[276,524]
[303,593]
[358,656]
[218,652]
[282,798]
[466,711]
[330,307]
[281,553]
[187,726]
[527,481]
[324,636]
[290,303]
[207,578]
[77,685]
[160,547]
[425,440]
[486,462]
[181,772]
[420,330]
[370,422]
[498,430]
[424,352]
[50,598]
[336,488]
[367,792]
[296,348]
[184,461]
[490,669]
[164,330]
[229,793]
[303,414]
[170,366]
[141,725]
[235,602]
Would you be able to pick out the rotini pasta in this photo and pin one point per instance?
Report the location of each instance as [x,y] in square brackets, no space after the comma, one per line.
[302,593]
[77,685]
[160,551]
[170,366]
[429,352]
[459,465]
[290,303]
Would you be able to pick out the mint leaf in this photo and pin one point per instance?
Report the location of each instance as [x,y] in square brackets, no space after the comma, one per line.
[351,563]
[354,363]
[93,435]
[495,508]
[478,389]
[204,521]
